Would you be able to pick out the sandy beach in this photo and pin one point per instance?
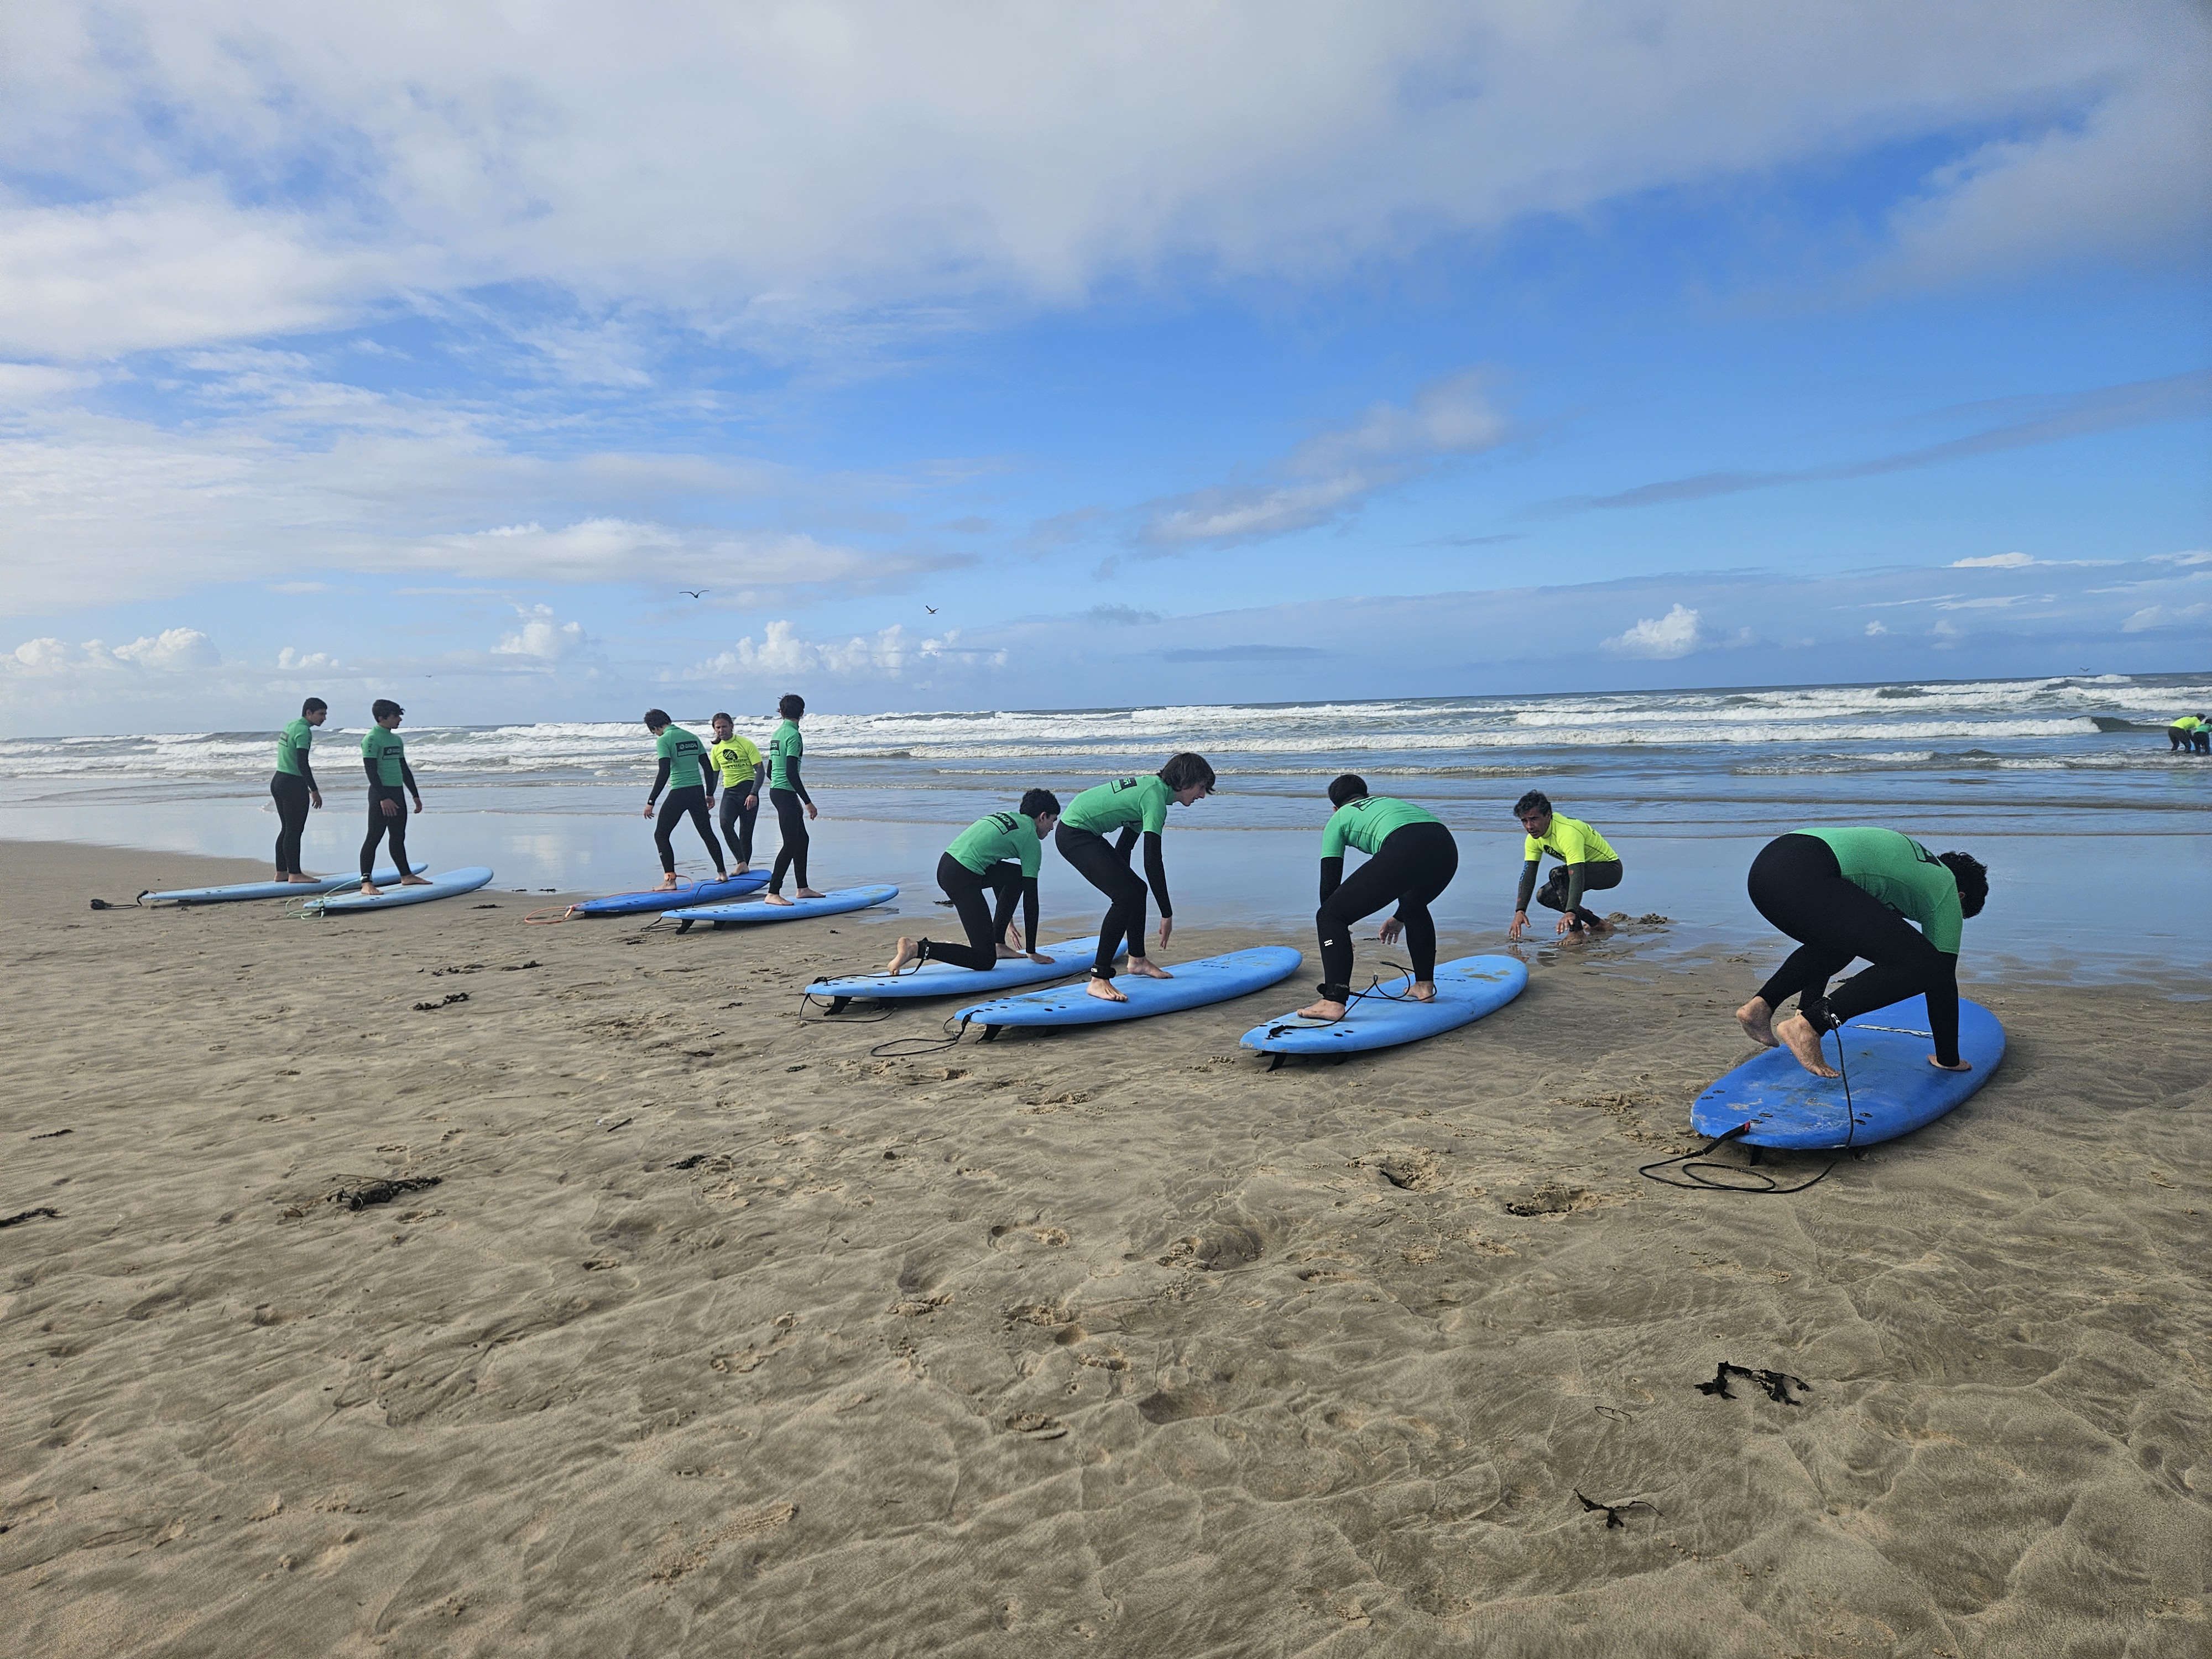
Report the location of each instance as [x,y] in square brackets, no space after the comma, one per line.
[670,1322]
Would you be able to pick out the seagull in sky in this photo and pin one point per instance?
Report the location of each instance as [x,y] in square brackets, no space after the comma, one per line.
[931,608]
[696,594]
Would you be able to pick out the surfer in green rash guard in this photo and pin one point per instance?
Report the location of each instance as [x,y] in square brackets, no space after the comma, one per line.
[786,792]
[292,786]
[1586,865]
[683,770]
[1134,807]
[1001,854]
[384,755]
[1411,857]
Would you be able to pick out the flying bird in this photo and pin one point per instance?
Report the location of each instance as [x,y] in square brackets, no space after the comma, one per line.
[696,594]
[931,608]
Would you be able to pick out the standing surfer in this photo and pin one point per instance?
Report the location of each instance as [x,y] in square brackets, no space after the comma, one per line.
[1134,807]
[1000,854]
[292,786]
[1848,893]
[682,771]
[786,792]
[1411,857]
[1586,865]
[391,779]
[742,772]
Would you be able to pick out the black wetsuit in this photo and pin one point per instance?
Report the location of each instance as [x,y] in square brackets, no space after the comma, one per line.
[985,926]
[1564,887]
[690,801]
[1797,883]
[381,827]
[791,821]
[1415,863]
[293,794]
[733,817]
[1105,866]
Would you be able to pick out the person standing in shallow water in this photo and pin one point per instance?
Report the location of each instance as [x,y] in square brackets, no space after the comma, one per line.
[786,792]
[1134,807]
[1586,865]
[292,786]
[1411,857]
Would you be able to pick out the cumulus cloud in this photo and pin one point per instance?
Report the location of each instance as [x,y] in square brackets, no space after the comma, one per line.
[892,653]
[543,637]
[2164,615]
[1677,634]
[305,662]
[172,651]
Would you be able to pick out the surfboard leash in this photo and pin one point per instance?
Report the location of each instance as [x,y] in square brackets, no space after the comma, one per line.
[894,1049]
[1690,1164]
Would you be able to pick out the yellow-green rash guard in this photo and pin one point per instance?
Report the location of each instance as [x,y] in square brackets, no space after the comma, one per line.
[390,755]
[685,755]
[785,747]
[1904,875]
[1142,801]
[736,758]
[1366,824]
[1571,841]
[2181,723]
[293,744]
[1002,836]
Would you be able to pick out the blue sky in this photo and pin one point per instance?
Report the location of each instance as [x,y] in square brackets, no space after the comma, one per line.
[1173,353]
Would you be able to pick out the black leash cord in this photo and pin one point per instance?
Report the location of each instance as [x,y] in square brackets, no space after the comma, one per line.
[897,1048]
[1693,1165]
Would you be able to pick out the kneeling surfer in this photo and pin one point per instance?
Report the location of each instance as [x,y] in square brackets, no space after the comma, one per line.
[384,756]
[1847,893]
[1587,863]
[682,771]
[1002,854]
[1411,857]
[1134,807]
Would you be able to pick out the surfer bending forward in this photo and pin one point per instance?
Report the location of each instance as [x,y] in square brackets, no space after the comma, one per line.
[1847,893]
[383,757]
[292,786]
[1000,854]
[786,792]
[1134,807]
[1587,866]
[683,773]
[1411,857]
[2188,733]
[742,771]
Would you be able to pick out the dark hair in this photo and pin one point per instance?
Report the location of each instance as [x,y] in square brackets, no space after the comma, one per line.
[721,714]
[1534,801]
[1973,880]
[656,718]
[1349,787]
[1184,770]
[382,706]
[313,704]
[791,705]
[1037,802]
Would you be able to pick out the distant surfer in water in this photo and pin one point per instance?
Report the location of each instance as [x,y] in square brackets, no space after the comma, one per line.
[1848,893]
[1586,865]
[292,786]
[1411,857]
[999,854]
[786,792]
[742,772]
[682,772]
[2188,732]
[391,779]
[1135,806]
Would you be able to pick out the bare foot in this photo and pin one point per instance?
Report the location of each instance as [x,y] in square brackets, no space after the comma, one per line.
[667,884]
[1797,1036]
[1007,953]
[300,881]
[809,892]
[370,889]
[415,881]
[774,898]
[1323,1010]
[908,951]
[1105,990]
[1758,1022]
[745,870]
[1424,990]
[1144,969]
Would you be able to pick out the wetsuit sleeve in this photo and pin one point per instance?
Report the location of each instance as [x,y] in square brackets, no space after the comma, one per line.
[407,777]
[1029,912]
[797,785]
[1124,842]
[760,777]
[1155,874]
[1575,874]
[1331,876]
[306,772]
[369,765]
[1528,886]
[1943,1010]
[660,782]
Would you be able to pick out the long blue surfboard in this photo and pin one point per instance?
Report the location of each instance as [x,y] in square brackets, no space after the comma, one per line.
[1895,1090]
[448,885]
[836,901]
[1195,984]
[269,890]
[1466,990]
[944,979]
[692,893]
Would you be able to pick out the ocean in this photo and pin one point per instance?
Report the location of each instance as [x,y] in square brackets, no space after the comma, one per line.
[2097,838]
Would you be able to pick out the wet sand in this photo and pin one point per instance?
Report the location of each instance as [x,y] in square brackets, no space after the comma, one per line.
[716,1335]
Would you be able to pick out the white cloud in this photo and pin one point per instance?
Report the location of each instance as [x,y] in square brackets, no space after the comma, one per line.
[305,660]
[543,637]
[1874,631]
[172,651]
[1677,634]
[891,653]
[1994,562]
[2164,616]
[1996,602]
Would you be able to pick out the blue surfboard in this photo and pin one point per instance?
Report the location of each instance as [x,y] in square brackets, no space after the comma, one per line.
[449,885]
[269,890]
[836,901]
[1466,990]
[1210,979]
[692,893]
[944,979]
[1895,1090]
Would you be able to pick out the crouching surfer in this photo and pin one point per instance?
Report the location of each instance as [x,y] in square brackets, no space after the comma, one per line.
[999,854]
[1844,894]
[1586,865]
[391,779]
[1411,857]
[1135,807]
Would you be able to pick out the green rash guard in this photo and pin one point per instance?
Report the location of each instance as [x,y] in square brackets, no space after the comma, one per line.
[385,751]
[1124,801]
[1366,824]
[293,744]
[685,755]
[1904,875]
[785,747]
[1002,836]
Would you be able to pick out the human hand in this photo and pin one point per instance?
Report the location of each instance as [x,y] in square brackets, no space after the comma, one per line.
[648,810]
[316,796]
[1167,928]
[1520,920]
[752,802]
[391,807]
[1391,929]
[812,811]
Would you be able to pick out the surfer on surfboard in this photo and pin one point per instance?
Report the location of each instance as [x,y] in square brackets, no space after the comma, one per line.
[682,771]
[292,786]
[1848,893]
[1135,806]
[786,792]
[384,756]
[999,854]
[1411,857]
[1586,865]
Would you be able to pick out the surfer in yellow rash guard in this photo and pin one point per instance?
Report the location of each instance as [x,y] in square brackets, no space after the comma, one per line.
[1586,865]
[2188,732]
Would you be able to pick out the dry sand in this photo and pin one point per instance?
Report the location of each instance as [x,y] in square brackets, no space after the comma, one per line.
[717,1336]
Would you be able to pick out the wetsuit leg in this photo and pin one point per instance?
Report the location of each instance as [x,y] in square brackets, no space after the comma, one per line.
[966,890]
[2201,739]
[1597,876]
[290,791]
[735,820]
[696,809]
[1006,880]
[791,819]
[380,827]
[2176,740]
[1095,860]
[1413,867]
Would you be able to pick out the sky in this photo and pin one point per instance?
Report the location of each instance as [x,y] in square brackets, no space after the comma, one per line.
[548,362]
